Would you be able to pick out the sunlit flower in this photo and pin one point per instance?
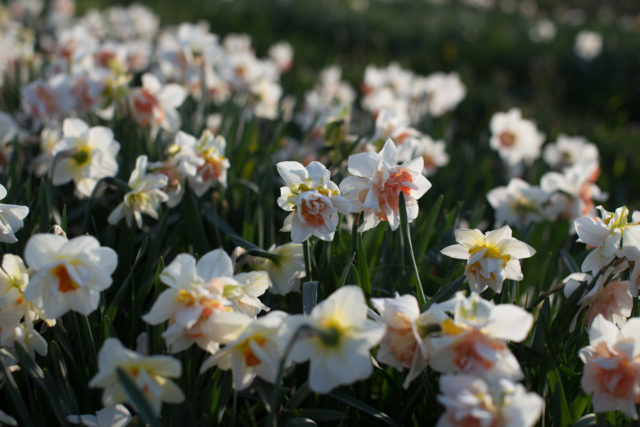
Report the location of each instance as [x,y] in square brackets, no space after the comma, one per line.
[212,168]
[145,196]
[11,217]
[89,155]
[609,236]
[339,343]
[612,366]
[255,351]
[444,92]
[491,257]
[48,100]
[313,200]
[282,54]
[67,274]
[519,203]
[516,139]
[149,373]
[433,153]
[376,182]
[471,401]
[199,290]
[474,340]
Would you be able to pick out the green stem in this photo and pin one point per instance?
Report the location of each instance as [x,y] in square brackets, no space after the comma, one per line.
[307,259]
[404,224]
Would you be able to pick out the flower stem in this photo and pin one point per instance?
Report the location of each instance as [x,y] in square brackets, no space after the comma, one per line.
[307,259]
[406,234]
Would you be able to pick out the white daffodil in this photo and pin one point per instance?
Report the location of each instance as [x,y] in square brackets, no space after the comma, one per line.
[145,196]
[199,290]
[17,315]
[588,44]
[610,297]
[376,182]
[340,340]
[67,274]
[403,343]
[515,138]
[255,351]
[11,217]
[491,257]
[212,164]
[568,151]
[433,153]
[471,401]
[612,367]
[518,204]
[474,340]
[149,373]
[313,200]
[89,155]
[111,416]
[610,236]
[156,105]
[286,271]
[443,91]
[572,192]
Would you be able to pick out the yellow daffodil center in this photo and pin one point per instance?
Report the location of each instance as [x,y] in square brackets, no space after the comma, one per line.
[301,188]
[450,328]
[81,156]
[331,332]
[492,252]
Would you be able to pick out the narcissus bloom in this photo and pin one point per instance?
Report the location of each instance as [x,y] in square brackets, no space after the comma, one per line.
[285,272]
[255,351]
[518,204]
[610,236]
[612,366]
[403,343]
[515,138]
[68,274]
[588,44]
[18,315]
[470,401]
[90,154]
[199,290]
[340,340]
[313,200]
[11,217]
[145,196]
[474,340]
[111,416]
[149,373]
[376,182]
[156,105]
[491,257]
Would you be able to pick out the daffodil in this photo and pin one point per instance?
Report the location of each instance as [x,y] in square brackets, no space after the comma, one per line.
[156,105]
[474,340]
[376,183]
[88,154]
[67,274]
[286,269]
[255,351]
[612,367]
[201,297]
[472,401]
[611,236]
[491,257]
[313,200]
[151,374]
[516,139]
[339,342]
[403,344]
[11,217]
[145,196]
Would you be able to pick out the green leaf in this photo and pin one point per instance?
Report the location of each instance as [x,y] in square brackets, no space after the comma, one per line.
[361,406]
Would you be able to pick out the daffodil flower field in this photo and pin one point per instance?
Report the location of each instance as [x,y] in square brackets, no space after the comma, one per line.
[280,213]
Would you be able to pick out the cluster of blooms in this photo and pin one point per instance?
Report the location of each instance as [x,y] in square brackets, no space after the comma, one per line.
[413,96]
[568,192]
[465,339]
[373,191]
